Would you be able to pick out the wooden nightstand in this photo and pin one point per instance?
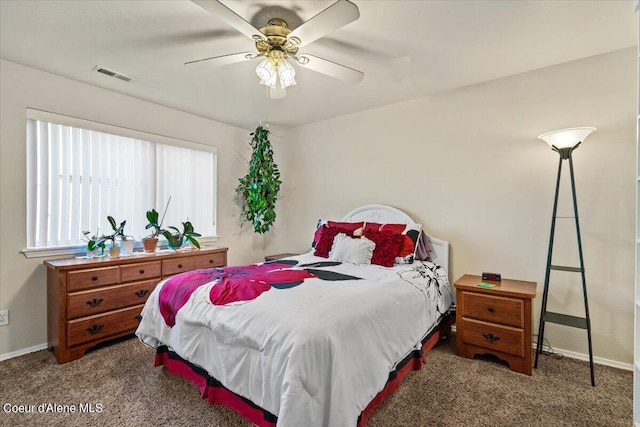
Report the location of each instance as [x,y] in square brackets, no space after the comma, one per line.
[495,321]
[279,256]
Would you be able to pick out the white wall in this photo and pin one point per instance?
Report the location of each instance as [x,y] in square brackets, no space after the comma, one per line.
[466,163]
[23,281]
[469,166]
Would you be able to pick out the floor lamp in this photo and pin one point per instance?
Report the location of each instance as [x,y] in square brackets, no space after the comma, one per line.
[564,142]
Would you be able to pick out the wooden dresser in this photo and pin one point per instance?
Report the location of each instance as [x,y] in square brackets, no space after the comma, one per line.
[93,300]
[495,320]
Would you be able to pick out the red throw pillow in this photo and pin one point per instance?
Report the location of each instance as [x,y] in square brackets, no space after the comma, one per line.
[407,247]
[387,248]
[352,226]
[326,239]
[394,228]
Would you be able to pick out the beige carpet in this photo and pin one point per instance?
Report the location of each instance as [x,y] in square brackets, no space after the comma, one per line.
[124,389]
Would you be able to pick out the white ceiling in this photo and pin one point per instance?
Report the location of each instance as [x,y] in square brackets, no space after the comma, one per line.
[406,49]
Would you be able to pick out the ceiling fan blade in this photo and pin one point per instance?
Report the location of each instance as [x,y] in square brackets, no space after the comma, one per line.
[330,68]
[217,61]
[333,17]
[221,11]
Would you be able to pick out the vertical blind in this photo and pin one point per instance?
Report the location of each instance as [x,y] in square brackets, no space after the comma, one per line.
[77,177]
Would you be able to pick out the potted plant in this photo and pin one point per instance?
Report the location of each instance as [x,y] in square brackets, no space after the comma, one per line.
[176,238]
[126,244]
[151,241]
[94,243]
[118,232]
[258,190]
[125,241]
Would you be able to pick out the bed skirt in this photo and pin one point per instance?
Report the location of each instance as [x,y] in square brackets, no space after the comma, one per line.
[216,394]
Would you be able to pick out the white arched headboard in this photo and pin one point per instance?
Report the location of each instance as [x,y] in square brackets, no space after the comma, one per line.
[387,214]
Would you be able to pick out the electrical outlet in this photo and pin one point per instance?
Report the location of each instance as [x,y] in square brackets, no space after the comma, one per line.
[4,317]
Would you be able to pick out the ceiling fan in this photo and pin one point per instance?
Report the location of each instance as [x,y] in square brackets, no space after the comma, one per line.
[276,43]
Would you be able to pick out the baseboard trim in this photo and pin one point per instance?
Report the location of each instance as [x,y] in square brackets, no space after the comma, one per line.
[22,352]
[596,360]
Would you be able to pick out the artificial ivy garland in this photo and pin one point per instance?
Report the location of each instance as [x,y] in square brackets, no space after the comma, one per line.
[258,190]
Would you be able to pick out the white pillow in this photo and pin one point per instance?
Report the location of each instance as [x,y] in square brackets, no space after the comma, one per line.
[351,250]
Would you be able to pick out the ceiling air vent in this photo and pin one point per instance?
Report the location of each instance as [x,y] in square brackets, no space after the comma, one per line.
[112,73]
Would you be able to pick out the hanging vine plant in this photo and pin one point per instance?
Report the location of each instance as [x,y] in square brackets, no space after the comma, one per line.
[258,190]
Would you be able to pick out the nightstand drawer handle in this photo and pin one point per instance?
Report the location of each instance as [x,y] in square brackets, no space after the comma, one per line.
[141,271]
[491,309]
[94,302]
[210,261]
[94,278]
[490,337]
[141,293]
[179,265]
[139,317]
[95,329]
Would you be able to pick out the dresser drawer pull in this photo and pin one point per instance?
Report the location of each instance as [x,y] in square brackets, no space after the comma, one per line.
[490,337]
[141,293]
[491,309]
[210,261]
[179,265]
[94,278]
[139,318]
[95,329]
[95,302]
[141,271]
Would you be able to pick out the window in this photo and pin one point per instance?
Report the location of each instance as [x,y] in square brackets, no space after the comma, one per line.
[78,172]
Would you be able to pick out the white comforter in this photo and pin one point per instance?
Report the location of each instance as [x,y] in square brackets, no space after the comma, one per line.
[315,354]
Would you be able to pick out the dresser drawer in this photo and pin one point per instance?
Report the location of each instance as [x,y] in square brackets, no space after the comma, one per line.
[95,327]
[218,259]
[492,308]
[501,338]
[92,278]
[141,271]
[177,265]
[87,303]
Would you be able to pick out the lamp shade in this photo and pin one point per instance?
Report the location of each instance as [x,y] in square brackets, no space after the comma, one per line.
[566,138]
[287,74]
[267,73]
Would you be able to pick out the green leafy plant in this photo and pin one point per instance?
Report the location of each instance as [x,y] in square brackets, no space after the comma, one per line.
[154,223]
[176,237]
[258,190]
[93,241]
[118,230]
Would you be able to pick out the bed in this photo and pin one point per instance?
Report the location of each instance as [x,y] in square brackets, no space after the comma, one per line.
[307,340]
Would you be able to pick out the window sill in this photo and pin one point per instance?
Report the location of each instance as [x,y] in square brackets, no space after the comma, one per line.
[82,250]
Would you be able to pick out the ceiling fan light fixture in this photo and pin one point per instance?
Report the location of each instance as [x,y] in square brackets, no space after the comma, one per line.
[267,73]
[287,74]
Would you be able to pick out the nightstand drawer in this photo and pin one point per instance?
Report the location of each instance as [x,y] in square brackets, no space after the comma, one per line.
[87,303]
[102,325]
[141,271]
[495,337]
[92,278]
[492,308]
[211,260]
[177,265]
